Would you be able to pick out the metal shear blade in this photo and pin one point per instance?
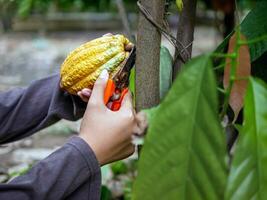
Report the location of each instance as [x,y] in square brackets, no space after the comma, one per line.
[118,84]
[122,78]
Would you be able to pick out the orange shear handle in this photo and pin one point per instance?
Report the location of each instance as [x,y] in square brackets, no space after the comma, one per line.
[117,104]
[109,91]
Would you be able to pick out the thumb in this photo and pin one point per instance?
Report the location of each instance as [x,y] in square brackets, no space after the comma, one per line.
[142,123]
[127,103]
[99,88]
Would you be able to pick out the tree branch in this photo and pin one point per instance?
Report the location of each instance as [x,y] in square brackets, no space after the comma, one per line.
[185,31]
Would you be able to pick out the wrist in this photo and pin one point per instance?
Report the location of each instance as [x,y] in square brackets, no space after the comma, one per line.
[97,151]
[84,151]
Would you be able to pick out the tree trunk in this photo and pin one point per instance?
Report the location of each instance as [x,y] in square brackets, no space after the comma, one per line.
[185,31]
[148,56]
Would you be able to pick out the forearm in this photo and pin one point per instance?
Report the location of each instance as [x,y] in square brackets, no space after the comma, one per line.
[59,175]
[25,111]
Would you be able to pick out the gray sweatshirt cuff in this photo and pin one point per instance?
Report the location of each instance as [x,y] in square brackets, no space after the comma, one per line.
[87,154]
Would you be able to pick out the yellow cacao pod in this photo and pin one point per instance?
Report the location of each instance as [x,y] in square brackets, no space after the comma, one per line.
[84,64]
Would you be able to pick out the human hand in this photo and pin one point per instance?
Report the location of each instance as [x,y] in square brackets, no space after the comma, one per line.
[108,133]
[85,94]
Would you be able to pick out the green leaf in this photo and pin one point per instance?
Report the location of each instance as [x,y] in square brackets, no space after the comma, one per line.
[259,68]
[223,45]
[180,5]
[150,112]
[25,7]
[248,176]
[184,152]
[165,78]
[165,71]
[105,193]
[119,167]
[132,83]
[21,172]
[127,191]
[254,26]
[105,173]
[246,4]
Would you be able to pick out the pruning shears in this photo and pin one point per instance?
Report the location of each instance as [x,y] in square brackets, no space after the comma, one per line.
[117,86]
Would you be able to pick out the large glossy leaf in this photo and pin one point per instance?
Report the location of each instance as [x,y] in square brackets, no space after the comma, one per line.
[184,152]
[165,71]
[248,175]
[259,68]
[253,26]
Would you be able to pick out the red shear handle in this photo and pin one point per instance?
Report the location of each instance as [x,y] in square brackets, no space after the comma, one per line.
[117,104]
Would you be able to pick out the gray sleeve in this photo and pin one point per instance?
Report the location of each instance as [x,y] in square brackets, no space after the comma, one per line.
[25,111]
[71,171]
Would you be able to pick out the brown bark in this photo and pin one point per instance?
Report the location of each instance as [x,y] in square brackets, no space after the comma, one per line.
[185,31]
[148,56]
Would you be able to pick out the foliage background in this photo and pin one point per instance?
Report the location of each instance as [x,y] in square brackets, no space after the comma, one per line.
[190,160]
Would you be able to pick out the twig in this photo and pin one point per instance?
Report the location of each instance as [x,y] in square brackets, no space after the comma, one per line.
[219,66]
[255,40]
[221,90]
[180,48]
[124,19]
[224,55]
[185,33]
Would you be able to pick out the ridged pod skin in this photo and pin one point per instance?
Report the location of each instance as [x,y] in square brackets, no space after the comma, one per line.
[83,65]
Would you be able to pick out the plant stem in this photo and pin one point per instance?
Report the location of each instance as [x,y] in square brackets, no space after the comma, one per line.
[223,55]
[221,90]
[255,40]
[220,66]
[241,78]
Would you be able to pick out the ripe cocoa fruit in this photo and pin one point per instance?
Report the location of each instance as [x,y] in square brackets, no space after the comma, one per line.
[84,64]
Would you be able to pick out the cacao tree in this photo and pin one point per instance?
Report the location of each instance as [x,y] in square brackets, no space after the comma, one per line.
[185,155]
